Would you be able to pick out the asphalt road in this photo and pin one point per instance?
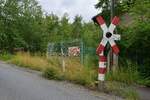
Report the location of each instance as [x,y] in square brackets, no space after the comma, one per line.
[19,84]
[144,93]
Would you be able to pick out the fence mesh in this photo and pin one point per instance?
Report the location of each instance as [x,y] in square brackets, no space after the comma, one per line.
[76,49]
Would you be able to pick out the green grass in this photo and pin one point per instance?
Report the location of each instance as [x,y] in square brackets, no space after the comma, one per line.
[6,56]
[126,74]
[122,81]
[145,81]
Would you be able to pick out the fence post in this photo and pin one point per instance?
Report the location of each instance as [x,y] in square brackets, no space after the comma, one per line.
[82,52]
[62,57]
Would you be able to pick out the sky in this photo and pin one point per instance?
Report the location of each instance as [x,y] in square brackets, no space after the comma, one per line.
[85,8]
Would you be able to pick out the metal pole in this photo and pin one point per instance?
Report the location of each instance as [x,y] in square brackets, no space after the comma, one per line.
[112,9]
[114,57]
[62,58]
[82,52]
[110,52]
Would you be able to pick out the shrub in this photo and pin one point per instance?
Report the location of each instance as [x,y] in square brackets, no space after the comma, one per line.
[51,73]
[5,56]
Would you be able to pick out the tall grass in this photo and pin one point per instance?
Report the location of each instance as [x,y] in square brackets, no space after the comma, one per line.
[52,68]
[127,74]
[28,61]
[121,81]
[74,71]
[121,89]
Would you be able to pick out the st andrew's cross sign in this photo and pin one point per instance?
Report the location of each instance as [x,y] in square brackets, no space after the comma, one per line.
[108,37]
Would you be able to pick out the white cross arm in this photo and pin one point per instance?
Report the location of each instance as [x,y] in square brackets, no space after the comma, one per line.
[116,37]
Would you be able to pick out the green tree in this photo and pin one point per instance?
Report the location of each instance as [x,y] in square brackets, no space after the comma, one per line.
[77,27]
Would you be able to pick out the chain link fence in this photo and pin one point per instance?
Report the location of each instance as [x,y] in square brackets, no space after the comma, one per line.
[74,49]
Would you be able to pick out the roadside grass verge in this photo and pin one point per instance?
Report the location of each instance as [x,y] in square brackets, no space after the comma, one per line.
[119,83]
[74,71]
[28,61]
[121,89]
[123,81]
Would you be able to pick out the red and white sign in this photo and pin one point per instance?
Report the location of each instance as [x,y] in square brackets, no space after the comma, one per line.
[73,51]
[108,36]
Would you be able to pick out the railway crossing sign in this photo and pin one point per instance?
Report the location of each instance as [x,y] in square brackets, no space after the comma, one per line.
[108,37]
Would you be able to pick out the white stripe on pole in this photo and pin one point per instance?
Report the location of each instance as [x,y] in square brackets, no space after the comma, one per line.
[102,64]
[101,77]
[112,28]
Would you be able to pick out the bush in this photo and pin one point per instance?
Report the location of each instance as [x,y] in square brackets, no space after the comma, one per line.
[145,81]
[83,76]
[51,73]
[6,56]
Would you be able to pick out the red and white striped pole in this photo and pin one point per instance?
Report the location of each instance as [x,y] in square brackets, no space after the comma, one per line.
[102,67]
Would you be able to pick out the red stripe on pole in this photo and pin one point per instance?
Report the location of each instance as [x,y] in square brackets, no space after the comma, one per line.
[100,20]
[102,70]
[100,49]
[115,20]
[115,49]
[102,59]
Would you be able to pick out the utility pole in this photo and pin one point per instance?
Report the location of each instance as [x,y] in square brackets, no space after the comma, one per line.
[110,52]
[113,57]
[112,9]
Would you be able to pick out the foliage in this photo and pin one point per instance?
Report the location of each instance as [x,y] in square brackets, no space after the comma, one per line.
[51,73]
[6,56]
[121,6]
[23,25]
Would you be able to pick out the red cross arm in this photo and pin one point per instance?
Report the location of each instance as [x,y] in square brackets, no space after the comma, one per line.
[102,23]
[114,46]
[101,46]
[100,49]
[115,20]
[100,20]
[113,24]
